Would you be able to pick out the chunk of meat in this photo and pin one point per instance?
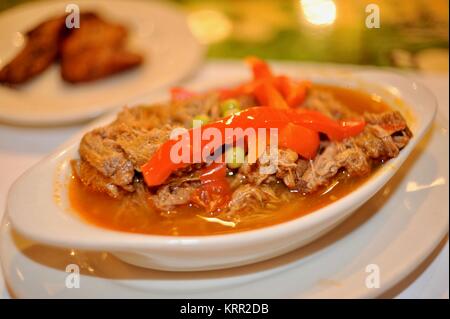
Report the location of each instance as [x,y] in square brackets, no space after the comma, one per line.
[184,110]
[139,144]
[401,140]
[353,154]
[145,117]
[105,154]
[391,121]
[118,150]
[250,197]
[376,143]
[289,169]
[321,169]
[352,159]
[325,103]
[95,50]
[167,197]
[39,52]
[250,173]
[326,165]
[96,181]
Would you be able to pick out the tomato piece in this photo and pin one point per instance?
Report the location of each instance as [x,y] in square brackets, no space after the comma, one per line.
[213,172]
[214,191]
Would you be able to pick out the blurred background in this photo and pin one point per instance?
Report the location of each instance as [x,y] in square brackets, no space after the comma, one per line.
[413,33]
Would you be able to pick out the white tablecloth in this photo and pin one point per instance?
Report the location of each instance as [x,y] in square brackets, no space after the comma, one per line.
[21,147]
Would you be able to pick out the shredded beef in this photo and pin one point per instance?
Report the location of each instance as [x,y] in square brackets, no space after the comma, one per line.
[183,111]
[95,180]
[138,144]
[250,197]
[391,121]
[290,167]
[325,103]
[118,151]
[169,196]
[111,156]
[354,155]
[326,165]
[105,154]
[144,117]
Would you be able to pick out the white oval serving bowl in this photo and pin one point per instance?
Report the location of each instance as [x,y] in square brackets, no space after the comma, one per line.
[39,209]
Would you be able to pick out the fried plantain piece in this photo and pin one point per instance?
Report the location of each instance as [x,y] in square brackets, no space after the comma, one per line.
[93,32]
[40,51]
[95,63]
[95,50]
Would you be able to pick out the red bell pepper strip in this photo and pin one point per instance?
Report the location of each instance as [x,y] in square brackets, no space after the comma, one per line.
[247,88]
[160,165]
[270,90]
[288,138]
[260,68]
[213,172]
[267,94]
[293,92]
[335,130]
[261,74]
[180,94]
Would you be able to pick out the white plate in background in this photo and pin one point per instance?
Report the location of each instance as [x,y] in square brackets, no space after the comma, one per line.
[159,31]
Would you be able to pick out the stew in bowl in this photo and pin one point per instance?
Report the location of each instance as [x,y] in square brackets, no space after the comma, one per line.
[228,175]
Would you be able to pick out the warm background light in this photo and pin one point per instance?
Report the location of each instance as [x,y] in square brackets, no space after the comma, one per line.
[413,33]
[319,12]
[209,26]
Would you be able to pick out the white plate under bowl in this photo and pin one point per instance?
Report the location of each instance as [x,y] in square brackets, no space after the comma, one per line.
[35,213]
[159,31]
[395,231]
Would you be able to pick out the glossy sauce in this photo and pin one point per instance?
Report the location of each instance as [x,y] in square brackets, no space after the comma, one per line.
[135,215]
